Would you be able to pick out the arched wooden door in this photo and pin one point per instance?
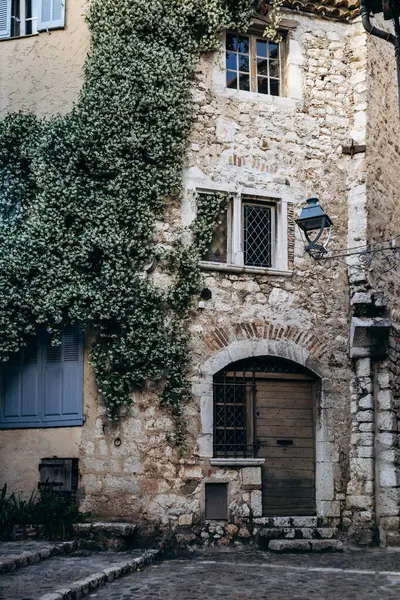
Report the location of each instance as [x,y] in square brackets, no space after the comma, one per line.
[264,408]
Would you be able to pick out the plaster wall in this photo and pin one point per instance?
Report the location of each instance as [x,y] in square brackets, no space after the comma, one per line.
[42,73]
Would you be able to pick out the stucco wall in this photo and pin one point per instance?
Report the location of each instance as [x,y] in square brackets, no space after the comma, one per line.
[43,73]
[22,449]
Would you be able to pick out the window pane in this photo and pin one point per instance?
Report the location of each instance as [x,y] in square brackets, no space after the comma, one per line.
[273,50]
[231,41]
[262,67]
[274,87]
[217,251]
[257,235]
[262,85]
[243,63]
[243,44]
[244,82]
[274,68]
[261,48]
[231,79]
[231,61]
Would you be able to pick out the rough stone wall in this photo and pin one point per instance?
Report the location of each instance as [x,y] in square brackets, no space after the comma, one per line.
[383,159]
[42,73]
[285,147]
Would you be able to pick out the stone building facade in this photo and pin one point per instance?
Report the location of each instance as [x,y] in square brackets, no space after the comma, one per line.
[301,317]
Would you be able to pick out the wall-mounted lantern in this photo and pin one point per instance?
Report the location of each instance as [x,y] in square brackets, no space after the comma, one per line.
[316,228]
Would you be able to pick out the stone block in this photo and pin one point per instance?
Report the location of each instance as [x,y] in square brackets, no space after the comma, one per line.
[256,503]
[367,402]
[384,399]
[365,416]
[289,546]
[365,427]
[304,521]
[251,476]
[386,421]
[185,520]
[326,546]
[387,475]
[365,451]
[363,367]
[384,379]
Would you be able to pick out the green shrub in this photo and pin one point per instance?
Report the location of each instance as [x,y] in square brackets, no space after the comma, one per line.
[53,514]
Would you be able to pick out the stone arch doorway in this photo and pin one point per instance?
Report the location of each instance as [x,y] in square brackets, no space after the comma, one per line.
[264,408]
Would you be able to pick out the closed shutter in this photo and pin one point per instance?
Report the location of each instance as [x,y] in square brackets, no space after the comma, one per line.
[51,14]
[63,380]
[5,18]
[21,389]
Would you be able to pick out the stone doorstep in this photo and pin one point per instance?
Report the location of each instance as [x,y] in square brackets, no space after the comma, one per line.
[280,522]
[305,546]
[298,533]
[12,562]
[79,589]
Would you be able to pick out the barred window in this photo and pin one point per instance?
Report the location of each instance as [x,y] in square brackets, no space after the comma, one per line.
[253,64]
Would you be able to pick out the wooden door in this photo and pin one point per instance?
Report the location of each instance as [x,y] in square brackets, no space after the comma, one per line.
[285,434]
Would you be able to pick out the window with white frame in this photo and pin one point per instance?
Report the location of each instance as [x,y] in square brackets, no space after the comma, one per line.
[26,17]
[251,234]
[253,64]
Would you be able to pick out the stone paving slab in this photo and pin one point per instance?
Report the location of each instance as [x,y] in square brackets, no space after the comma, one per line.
[256,575]
[70,577]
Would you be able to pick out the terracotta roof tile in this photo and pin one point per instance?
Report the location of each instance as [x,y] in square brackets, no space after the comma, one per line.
[338,9]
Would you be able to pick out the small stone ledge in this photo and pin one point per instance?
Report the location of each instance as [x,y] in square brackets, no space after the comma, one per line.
[106,536]
[305,546]
[82,587]
[237,462]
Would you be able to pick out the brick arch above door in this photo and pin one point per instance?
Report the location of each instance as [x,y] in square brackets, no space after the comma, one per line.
[222,337]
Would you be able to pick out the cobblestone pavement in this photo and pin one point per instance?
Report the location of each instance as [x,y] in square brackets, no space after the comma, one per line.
[32,582]
[256,575]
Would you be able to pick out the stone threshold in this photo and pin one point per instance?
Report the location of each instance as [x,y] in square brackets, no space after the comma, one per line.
[83,587]
[16,561]
[237,462]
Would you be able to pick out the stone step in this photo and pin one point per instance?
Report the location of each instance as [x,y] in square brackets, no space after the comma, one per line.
[14,555]
[102,535]
[294,533]
[73,576]
[305,546]
[280,522]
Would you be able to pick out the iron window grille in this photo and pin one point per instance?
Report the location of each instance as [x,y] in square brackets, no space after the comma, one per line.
[258,233]
[253,64]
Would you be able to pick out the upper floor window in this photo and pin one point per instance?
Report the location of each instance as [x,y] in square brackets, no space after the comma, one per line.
[252,233]
[26,17]
[42,385]
[253,64]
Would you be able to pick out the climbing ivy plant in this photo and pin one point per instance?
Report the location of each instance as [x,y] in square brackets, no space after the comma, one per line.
[80,195]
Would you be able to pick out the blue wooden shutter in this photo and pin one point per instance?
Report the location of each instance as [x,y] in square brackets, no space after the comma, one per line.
[62,398]
[5,18]
[51,14]
[20,390]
